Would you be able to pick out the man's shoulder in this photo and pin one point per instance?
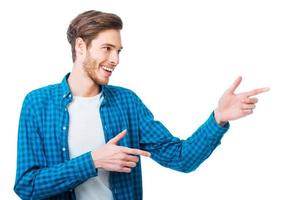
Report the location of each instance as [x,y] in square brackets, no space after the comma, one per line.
[118,91]
[122,96]
[44,93]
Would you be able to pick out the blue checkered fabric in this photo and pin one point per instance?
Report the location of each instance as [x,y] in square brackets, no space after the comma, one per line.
[44,169]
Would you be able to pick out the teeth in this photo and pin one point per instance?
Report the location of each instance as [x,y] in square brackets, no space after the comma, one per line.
[108,69]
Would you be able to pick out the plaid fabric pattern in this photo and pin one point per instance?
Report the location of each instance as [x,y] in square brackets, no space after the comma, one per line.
[44,169]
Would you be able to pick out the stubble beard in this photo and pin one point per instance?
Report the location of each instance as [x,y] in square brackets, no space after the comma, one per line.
[91,67]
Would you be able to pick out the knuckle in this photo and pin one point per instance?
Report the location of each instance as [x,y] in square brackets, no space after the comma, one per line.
[134,159]
[120,150]
[120,168]
[131,164]
[123,156]
[120,163]
[134,151]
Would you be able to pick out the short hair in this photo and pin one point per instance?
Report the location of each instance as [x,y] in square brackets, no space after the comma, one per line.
[89,24]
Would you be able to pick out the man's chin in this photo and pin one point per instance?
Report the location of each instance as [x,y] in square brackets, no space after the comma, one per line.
[99,79]
[102,82]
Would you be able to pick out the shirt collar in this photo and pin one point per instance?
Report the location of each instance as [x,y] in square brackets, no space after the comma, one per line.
[66,91]
[67,94]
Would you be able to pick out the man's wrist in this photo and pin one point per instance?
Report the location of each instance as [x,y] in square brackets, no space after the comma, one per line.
[217,116]
[94,159]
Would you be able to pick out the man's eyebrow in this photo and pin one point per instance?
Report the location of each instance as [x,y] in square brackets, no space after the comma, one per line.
[111,45]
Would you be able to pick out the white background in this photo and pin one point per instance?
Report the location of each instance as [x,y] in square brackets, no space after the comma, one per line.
[179,57]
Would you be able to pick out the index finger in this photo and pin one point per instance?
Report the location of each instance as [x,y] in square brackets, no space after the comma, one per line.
[136,152]
[257,91]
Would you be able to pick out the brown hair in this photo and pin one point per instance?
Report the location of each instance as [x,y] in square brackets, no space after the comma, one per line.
[89,24]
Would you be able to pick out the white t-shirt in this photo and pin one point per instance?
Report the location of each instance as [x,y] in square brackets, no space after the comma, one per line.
[86,134]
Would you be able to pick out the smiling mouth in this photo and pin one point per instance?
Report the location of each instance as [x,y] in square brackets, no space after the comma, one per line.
[108,69]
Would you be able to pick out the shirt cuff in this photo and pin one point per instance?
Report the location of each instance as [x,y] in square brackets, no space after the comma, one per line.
[216,128]
[85,166]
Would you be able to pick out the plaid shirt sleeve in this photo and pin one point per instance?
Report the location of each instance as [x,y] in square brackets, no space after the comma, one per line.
[34,178]
[169,151]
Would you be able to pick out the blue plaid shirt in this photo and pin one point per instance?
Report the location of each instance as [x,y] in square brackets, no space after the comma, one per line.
[44,169]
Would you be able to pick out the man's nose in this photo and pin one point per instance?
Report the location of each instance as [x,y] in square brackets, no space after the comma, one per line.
[114,58]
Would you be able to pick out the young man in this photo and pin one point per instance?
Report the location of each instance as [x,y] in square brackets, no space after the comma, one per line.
[83,139]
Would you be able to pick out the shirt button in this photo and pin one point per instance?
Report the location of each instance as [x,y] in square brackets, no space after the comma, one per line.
[70,96]
[64,128]
[63,149]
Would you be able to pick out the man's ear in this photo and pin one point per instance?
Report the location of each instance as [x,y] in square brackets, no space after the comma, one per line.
[80,47]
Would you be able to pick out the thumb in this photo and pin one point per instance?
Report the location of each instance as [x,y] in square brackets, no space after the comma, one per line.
[235,84]
[117,138]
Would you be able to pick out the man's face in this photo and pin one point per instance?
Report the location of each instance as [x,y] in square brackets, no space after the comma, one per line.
[103,56]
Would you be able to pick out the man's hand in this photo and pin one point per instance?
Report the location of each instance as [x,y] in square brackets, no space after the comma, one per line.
[234,106]
[111,157]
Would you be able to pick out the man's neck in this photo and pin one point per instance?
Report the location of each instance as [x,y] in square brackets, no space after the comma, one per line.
[81,85]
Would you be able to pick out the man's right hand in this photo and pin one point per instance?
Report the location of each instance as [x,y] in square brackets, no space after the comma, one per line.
[111,157]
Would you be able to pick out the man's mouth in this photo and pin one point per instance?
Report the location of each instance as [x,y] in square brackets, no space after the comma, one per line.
[108,69]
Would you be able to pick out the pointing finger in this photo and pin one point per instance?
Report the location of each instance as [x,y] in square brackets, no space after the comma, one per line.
[136,152]
[256,91]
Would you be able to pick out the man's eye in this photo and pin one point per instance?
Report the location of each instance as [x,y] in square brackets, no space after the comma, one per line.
[107,48]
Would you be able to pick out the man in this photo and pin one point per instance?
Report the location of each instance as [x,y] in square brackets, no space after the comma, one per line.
[83,139]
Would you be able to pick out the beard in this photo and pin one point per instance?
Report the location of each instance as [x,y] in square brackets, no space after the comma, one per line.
[91,67]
